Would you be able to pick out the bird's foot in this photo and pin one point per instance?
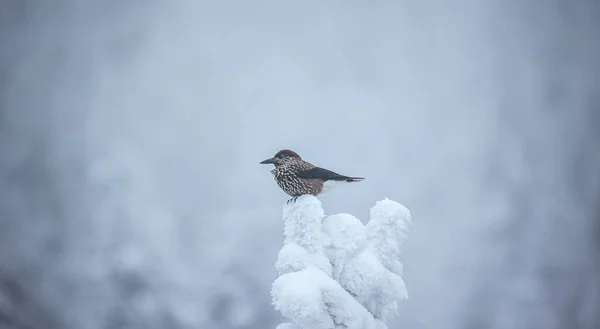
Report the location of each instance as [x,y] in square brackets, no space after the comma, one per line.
[292,200]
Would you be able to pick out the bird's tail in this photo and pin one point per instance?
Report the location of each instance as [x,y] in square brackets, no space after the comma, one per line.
[354,179]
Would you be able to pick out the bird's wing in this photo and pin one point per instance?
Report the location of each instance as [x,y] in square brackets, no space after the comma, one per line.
[321,173]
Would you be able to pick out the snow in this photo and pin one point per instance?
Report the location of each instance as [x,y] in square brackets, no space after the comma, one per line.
[312,299]
[287,325]
[387,230]
[303,244]
[336,272]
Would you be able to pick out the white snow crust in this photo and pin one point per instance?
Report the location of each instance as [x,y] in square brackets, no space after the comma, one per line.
[335,272]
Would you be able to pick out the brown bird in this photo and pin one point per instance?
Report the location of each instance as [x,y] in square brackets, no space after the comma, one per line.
[297,177]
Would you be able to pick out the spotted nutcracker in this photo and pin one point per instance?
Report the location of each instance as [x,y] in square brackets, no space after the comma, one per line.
[297,177]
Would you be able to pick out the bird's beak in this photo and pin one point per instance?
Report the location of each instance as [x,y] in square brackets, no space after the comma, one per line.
[271,160]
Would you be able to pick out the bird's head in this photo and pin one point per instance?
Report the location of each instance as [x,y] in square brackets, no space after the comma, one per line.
[282,157]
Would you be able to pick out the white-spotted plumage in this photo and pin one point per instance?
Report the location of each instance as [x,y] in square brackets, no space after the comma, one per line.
[297,177]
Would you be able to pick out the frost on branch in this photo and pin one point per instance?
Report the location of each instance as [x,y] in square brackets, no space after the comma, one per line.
[337,273]
[303,244]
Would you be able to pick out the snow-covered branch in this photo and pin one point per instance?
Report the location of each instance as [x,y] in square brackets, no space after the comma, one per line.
[337,273]
[303,244]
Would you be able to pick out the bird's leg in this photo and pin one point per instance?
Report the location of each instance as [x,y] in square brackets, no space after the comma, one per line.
[293,199]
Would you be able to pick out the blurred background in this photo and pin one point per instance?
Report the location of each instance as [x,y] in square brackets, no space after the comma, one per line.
[131,131]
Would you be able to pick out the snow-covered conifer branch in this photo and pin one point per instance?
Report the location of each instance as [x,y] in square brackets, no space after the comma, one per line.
[337,273]
[303,244]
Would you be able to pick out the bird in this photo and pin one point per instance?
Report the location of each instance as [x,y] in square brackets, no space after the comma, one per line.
[297,177]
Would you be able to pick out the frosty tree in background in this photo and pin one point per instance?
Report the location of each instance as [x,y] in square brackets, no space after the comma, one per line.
[337,273]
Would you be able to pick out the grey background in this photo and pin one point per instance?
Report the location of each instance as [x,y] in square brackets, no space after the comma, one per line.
[131,131]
